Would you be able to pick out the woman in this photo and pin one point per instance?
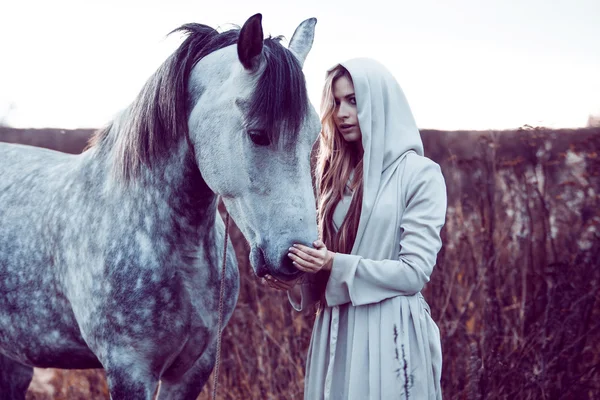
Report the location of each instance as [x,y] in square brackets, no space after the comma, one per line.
[381,207]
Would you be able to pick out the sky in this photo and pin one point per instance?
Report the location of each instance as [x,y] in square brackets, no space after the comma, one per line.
[463,64]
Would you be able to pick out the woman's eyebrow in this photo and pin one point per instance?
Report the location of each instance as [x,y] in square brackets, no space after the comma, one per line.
[346,96]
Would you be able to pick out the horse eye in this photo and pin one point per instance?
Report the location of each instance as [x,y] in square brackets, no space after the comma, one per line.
[259,137]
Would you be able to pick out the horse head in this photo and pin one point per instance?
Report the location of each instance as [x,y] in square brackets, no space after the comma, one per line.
[252,127]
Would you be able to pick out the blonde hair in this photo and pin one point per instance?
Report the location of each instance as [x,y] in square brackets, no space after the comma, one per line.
[336,159]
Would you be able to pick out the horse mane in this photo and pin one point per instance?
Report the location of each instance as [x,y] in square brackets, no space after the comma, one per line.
[158,117]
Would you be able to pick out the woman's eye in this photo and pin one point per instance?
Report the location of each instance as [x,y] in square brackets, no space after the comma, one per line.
[353,101]
[259,137]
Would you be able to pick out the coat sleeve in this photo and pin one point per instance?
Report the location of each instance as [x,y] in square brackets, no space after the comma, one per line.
[360,281]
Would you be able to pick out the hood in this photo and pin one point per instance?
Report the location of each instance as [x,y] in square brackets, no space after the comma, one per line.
[387,125]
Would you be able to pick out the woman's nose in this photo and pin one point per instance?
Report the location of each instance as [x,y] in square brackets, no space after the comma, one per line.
[342,111]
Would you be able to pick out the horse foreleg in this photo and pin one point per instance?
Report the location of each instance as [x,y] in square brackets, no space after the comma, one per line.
[190,385]
[14,379]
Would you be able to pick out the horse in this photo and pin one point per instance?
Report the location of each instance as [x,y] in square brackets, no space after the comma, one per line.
[112,258]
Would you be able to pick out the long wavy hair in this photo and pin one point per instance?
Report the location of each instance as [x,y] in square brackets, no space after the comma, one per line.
[336,159]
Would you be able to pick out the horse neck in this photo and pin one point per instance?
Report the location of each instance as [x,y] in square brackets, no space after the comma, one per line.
[178,179]
[174,180]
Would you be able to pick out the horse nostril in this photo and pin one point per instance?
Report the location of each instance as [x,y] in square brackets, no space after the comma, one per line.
[257,259]
[261,268]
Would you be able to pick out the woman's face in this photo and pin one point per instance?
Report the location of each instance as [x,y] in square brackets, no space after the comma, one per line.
[346,114]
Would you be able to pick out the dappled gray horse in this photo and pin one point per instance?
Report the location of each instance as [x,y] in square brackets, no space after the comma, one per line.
[111,258]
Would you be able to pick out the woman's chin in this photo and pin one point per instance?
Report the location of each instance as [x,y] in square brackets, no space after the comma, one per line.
[351,137]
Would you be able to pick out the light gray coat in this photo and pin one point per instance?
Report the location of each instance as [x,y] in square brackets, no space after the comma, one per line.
[375,339]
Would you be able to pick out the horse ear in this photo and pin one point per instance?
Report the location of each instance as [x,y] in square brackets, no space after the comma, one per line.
[302,39]
[250,42]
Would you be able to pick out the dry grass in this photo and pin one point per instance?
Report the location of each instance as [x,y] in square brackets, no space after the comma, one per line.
[516,287]
[515,291]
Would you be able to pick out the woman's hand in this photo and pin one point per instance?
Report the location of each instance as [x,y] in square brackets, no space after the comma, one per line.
[280,285]
[311,260]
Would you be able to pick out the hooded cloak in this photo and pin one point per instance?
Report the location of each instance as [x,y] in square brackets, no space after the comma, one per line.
[375,338]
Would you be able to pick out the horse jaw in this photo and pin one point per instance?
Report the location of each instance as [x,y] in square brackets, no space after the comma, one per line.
[302,39]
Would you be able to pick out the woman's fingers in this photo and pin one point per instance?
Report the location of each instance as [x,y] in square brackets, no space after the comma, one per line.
[269,281]
[302,264]
[304,269]
[281,285]
[277,284]
[309,254]
[307,259]
[304,256]
[306,250]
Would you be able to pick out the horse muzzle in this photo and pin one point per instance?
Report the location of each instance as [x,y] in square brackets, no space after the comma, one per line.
[283,269]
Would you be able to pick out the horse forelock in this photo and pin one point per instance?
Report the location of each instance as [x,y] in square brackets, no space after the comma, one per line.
[279,101]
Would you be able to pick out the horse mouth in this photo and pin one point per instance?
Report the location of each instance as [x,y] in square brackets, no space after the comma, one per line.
[261,270]
[286,270]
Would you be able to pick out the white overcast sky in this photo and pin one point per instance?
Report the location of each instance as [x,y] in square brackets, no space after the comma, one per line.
[465,64]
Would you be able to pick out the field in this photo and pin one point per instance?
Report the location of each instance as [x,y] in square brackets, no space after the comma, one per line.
[515,291]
